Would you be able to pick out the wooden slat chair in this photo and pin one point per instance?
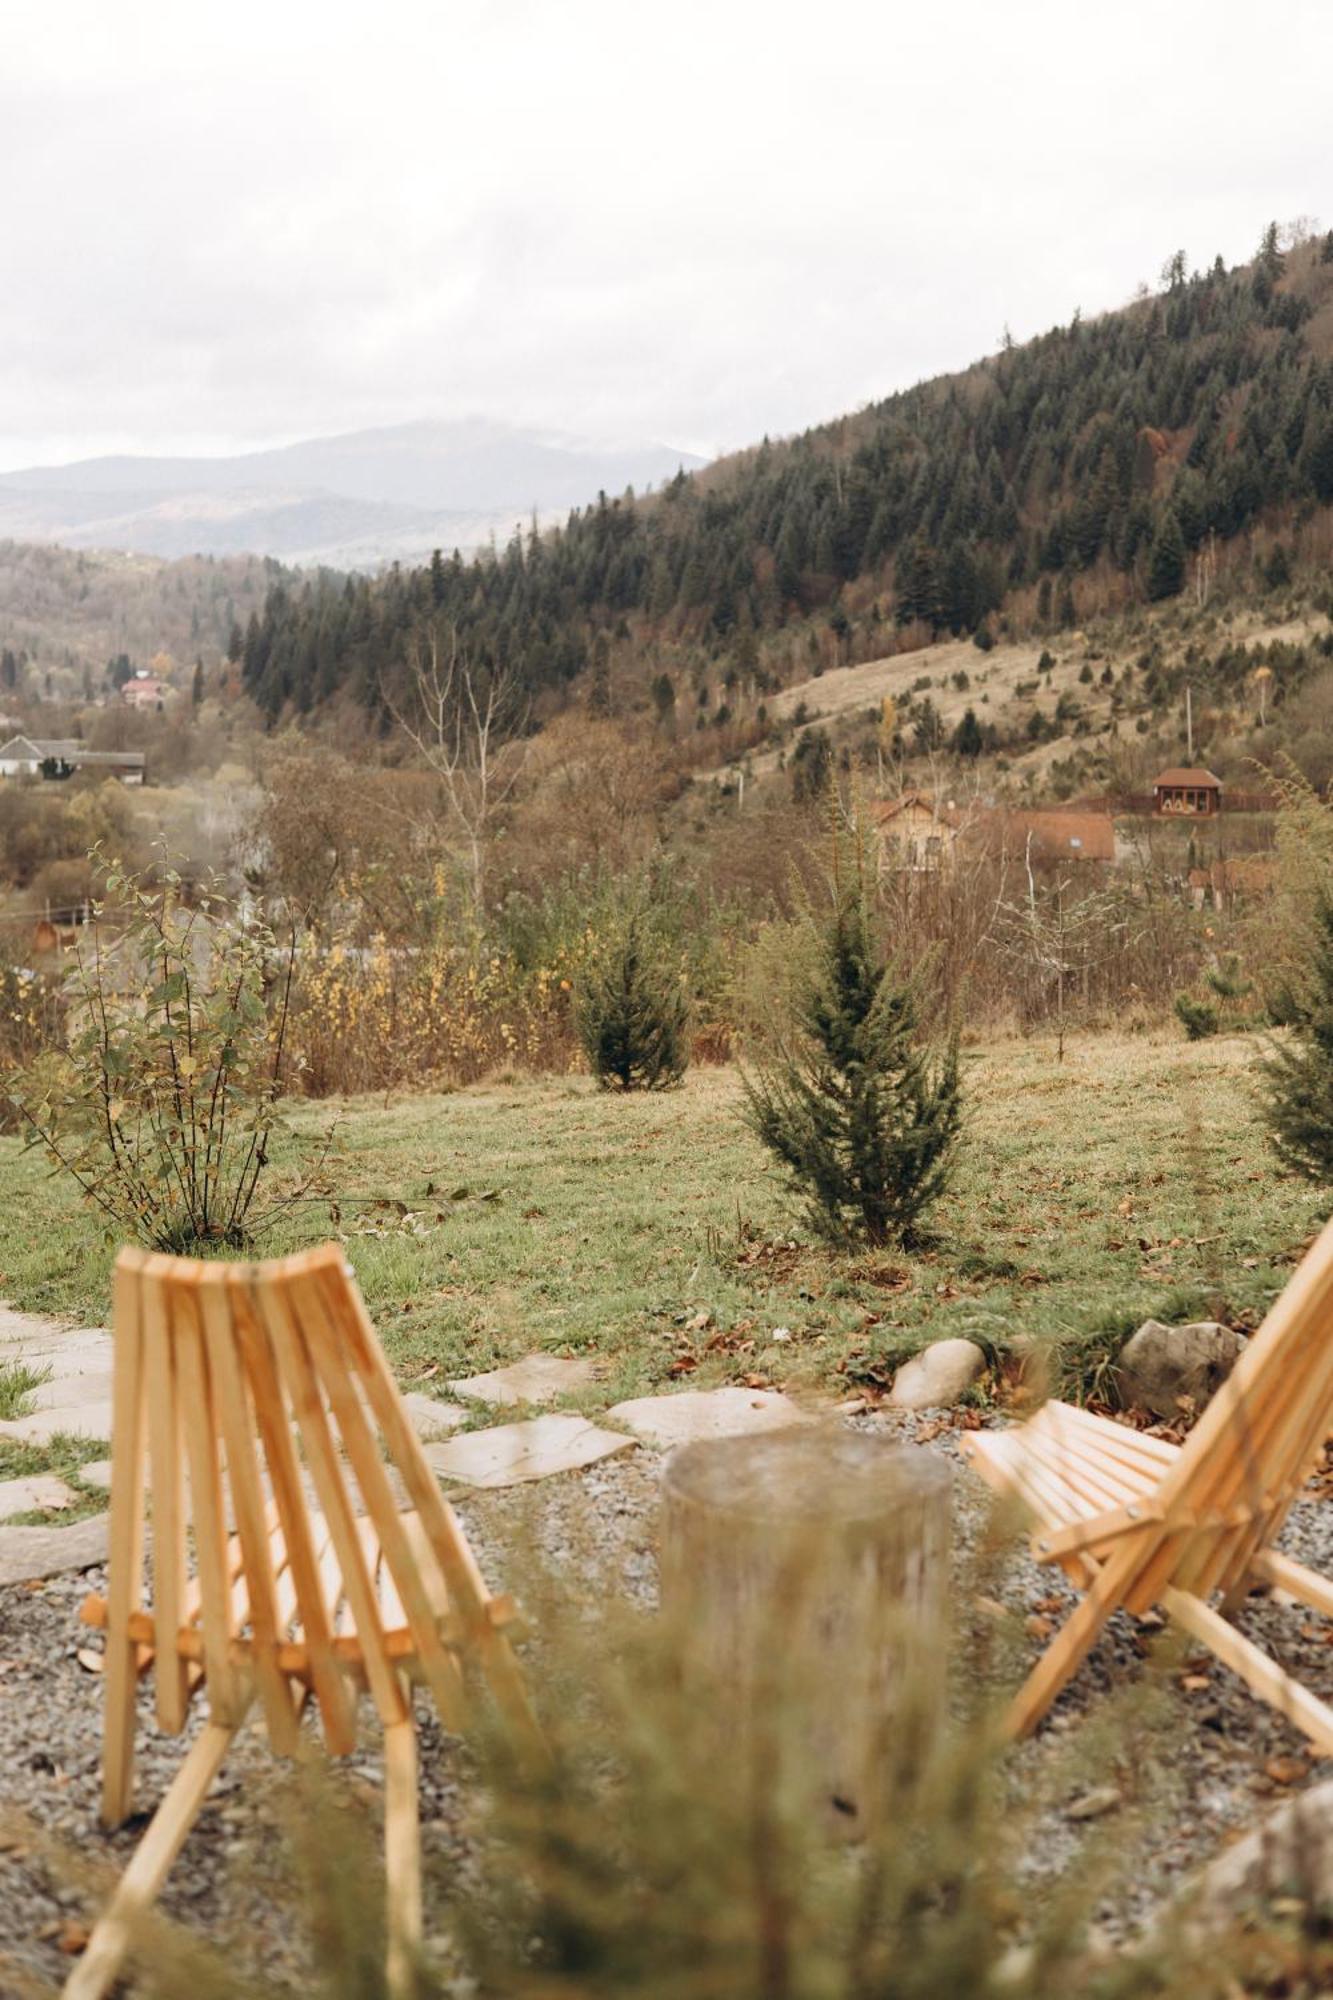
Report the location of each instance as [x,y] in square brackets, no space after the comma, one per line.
[1137,1523]
[237,1389]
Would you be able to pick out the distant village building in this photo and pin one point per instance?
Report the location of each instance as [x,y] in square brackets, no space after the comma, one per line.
[144,690]
[1229,883]
[1040,836]
[46,757]
[1188,790]
[918,834]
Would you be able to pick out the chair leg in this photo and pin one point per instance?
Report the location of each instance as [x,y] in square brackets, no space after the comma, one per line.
[402,1855]
[121,1685]
[1260,1672]
[1058,1664]
[138,1887]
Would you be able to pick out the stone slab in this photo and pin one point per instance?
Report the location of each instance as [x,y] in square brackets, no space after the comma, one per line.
[706,1413]
[63,1391]
[23,1335]
[537,1378]
[39,1489]
[97,1473]
[508,1454]
[29,1554]
[430,1418]
[90,1420]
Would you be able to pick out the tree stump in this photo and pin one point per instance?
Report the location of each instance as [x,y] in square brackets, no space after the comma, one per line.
[806,1576]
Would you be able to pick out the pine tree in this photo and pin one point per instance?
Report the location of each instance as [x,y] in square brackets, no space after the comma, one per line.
[1321,463]
[967,738]
[664,699]
[862,1116]
[197,684]
[632,1012]
[1298,1075]
[1166,562]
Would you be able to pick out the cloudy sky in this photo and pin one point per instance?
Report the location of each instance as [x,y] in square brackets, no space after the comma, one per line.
[246,223]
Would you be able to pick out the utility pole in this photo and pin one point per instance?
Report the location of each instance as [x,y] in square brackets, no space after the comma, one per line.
[1189,725]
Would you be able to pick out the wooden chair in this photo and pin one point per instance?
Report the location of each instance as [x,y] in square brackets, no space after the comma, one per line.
[1138,1523]
[237,1388]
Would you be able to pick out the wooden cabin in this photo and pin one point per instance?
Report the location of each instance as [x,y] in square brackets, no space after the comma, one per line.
[918,834]
[1187,791]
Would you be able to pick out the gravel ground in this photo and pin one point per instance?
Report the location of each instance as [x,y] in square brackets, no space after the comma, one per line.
[1171,1801]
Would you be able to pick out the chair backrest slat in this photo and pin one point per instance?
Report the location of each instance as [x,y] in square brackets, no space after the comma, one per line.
[170,1592]
[207,1505]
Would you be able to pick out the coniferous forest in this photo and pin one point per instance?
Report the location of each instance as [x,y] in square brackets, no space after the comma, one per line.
[1124,443]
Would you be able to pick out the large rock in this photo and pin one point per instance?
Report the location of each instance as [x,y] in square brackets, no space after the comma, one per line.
[1167,1369]
[937,1377]
[1288,1854]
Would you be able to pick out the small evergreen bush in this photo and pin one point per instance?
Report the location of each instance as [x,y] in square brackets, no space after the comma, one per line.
[632,1011]
[865,1120]
[1197,1017]
[1298,1074]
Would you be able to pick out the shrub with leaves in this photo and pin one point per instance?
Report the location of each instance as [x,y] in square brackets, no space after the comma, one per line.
[852,1101]
[162,1100]
[1298,1074]
[633,1013]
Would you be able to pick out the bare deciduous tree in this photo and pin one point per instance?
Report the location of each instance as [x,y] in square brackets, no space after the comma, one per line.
[464,723]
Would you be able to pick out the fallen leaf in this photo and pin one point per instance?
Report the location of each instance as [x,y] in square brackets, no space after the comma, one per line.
[1195,1683]
[1093,1804]
[1286,1770]
[72,1937]
[90,1661]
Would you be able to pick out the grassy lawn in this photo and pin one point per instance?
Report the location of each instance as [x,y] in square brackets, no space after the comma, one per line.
[1131,1180]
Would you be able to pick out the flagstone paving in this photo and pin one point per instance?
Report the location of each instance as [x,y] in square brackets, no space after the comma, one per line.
[706,1413]
[41,1490]
[537,1378]
[75,1398]
[508,1454]
[27,1554]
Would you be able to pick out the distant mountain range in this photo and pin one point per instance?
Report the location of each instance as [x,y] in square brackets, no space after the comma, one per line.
[353,502]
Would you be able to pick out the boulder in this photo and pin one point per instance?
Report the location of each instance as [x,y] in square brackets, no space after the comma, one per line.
[1167,1368]
[937,1377]
[1288,1854]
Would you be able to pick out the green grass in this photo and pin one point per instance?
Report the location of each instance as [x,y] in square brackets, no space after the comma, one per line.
[1131,1180]
[18,1382]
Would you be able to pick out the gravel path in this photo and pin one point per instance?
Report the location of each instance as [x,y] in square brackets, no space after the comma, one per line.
[1224,1748]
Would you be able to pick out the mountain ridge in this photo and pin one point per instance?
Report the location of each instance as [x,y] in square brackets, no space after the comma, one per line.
[355,499]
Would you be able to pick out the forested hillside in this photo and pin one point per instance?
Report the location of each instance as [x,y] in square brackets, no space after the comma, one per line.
[1106,459]
[64,613]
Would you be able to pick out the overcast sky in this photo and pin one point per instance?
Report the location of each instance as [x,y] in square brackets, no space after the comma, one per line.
[254,221]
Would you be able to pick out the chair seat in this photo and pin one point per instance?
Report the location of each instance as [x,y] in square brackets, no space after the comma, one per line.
[292,1652]
[1067,1465]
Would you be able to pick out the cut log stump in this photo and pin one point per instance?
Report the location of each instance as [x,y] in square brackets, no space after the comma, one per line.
[806,1576]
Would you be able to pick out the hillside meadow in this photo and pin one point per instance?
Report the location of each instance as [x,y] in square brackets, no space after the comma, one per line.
[1131,1180]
